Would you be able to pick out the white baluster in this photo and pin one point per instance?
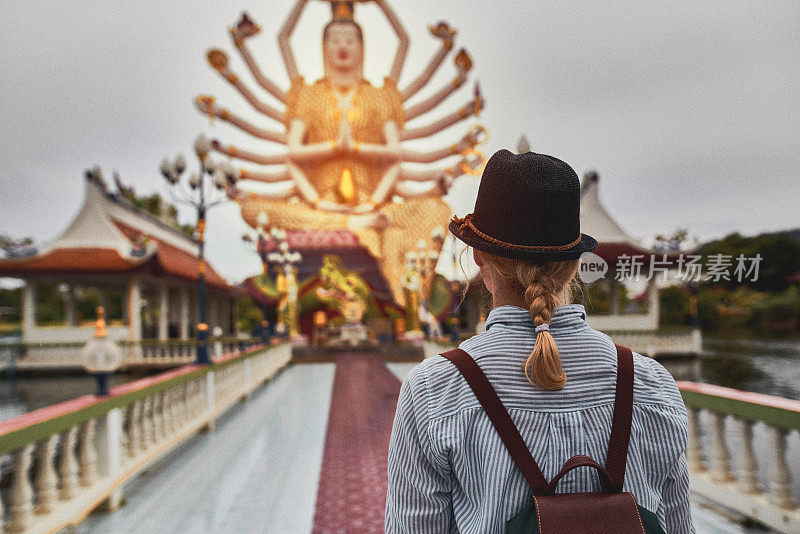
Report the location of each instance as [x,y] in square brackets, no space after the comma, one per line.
[20,498]
[164,414]
[748,470]
[87,456]
[183,403]
[124,438]
[158,406]
[134,429]
[68,464]
[169,404]
[780,478]
[720,457]
[694,447]
[175,408]
[45,479]
[146,423]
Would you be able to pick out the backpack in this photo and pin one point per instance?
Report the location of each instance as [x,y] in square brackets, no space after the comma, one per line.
[610,511]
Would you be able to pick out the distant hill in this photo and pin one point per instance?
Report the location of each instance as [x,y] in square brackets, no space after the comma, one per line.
[793,234]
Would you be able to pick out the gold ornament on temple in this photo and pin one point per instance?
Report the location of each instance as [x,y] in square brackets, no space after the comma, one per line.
[473,162]
[320,318]
[477,101]
[443,31]
[100,325]
[206,103]
[342,10]
[463,61]
[244,28]
[217,59]
[347,189]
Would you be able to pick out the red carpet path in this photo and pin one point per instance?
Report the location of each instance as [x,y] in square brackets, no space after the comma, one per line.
[352,487]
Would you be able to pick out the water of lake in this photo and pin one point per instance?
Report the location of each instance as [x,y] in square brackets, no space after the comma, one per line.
[762,365]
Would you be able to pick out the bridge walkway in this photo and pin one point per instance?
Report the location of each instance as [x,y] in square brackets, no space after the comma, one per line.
[288,460]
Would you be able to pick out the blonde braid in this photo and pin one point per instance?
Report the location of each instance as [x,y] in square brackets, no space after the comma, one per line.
[545,284]
[544,362]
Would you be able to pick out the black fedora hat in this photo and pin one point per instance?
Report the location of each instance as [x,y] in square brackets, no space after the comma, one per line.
[528,208]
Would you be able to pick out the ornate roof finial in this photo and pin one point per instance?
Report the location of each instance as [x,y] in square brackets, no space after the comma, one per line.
[523,146]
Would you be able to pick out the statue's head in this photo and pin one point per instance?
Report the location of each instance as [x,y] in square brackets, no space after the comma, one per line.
[343,45]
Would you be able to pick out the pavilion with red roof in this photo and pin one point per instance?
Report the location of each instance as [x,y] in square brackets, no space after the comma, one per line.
[126,253]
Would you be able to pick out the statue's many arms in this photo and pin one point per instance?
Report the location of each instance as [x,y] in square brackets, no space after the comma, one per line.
[343,163]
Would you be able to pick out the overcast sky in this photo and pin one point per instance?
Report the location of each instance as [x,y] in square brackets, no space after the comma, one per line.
[690,111]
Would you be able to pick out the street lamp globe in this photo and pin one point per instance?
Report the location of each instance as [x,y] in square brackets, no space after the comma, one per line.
[101,356]
[219,179]
[165,168]
[180,164]
[202,146]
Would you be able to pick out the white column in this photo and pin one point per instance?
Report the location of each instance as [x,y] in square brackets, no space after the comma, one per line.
[653,307]
[28,310]
[613,294]
[109,453]
[69,306]
[235,317]
[134,310]
[186,315]
[163,312]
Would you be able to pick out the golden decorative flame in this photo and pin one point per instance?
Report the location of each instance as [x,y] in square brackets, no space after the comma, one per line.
[347,189]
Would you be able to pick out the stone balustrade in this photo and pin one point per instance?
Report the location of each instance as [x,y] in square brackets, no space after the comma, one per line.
[738,452]
[63,461]
[147,353]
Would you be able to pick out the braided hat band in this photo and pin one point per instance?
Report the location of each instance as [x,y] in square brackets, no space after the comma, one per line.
[466,221]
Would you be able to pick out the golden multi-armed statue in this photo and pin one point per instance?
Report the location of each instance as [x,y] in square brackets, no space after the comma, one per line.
[343,165]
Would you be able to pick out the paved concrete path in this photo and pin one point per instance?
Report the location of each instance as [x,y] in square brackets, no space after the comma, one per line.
[257,472]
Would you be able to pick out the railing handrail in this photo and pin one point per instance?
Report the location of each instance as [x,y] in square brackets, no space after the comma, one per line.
[38,424]
[770,409]
[121,342]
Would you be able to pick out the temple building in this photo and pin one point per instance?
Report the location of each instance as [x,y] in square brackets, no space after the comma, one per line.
[136,263]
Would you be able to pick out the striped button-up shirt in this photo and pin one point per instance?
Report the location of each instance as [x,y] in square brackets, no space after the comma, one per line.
[449,471]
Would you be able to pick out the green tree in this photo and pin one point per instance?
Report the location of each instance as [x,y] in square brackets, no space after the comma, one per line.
[780,257]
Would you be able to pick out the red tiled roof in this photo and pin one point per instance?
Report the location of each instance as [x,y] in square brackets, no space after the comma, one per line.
[168,259]
[73,260]
[175,261]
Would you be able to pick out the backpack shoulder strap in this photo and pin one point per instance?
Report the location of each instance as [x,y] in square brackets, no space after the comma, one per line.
[499,417]
[621,423]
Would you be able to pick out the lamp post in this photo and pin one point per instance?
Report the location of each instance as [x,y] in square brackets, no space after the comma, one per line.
[273,249]
[456,287]
[262,248]
[202,198]
[286,260]
[101,356]
[424,261]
